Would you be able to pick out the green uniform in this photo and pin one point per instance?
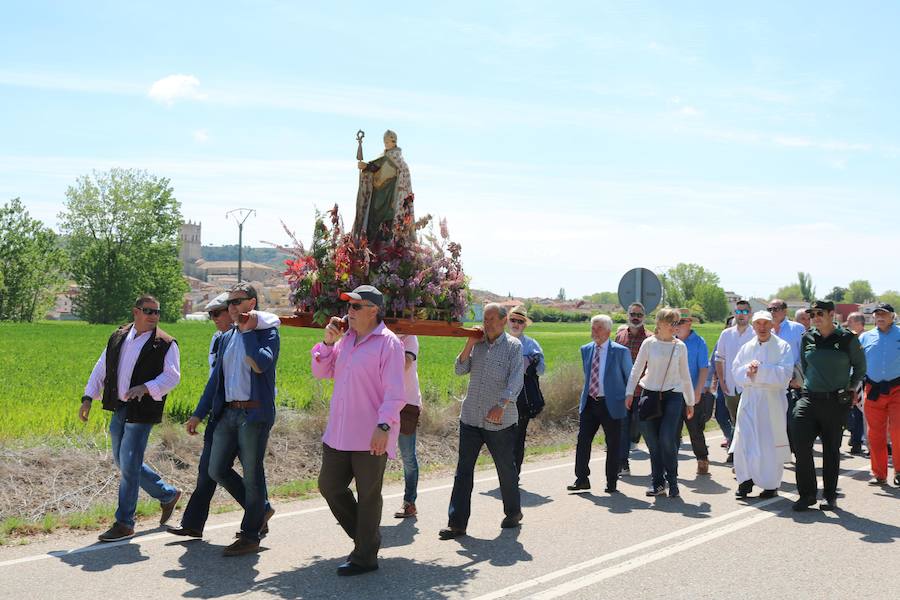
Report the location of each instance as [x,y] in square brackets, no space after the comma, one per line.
[832,367]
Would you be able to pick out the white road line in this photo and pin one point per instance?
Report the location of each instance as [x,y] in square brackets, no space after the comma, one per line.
[642,560]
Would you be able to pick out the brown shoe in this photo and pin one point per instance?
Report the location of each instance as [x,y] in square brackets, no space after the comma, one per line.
[408,510]
[168,508]
[116,532]
[241,546]
[702,466]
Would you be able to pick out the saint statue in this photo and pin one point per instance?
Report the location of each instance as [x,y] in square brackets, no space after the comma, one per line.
[383,186]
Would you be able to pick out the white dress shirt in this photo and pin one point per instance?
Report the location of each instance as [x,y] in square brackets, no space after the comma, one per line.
[128,355]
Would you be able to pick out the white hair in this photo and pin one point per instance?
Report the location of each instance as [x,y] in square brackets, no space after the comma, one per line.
[605,319]
[501,310]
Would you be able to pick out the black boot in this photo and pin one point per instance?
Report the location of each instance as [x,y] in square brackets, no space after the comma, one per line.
[744,488]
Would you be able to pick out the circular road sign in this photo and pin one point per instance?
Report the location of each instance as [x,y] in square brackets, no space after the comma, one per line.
[640,285]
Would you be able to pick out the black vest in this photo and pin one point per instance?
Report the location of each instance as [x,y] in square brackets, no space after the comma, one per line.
[149,365]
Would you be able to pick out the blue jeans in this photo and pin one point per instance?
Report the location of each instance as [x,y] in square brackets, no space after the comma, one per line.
[855,426]
[129,441]
[236,435]
[500,444]
[661,436]
[625,437]
[722,416]
[407,445]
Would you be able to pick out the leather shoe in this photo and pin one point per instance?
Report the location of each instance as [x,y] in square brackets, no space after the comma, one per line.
[877,481]
[511,521]
[168,508]
[185,531]
[803,504]
[580,484]
[241,546]
[451,533]
[744,489]
[768,494]
[349,569]
[828,504]
[610,490]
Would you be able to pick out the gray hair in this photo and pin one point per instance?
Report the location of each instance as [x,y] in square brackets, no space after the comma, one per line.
[856,316]
[637,304]
[798,312]
[501,310]
[605,319]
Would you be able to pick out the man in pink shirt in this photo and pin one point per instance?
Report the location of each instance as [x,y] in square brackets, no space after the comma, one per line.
[363,422]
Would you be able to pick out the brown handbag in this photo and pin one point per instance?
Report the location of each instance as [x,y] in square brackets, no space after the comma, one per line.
[409,419]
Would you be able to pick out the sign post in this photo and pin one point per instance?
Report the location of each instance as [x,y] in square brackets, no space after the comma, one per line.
[640,285]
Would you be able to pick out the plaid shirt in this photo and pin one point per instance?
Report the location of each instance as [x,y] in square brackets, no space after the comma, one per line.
[633,342]
[496,372]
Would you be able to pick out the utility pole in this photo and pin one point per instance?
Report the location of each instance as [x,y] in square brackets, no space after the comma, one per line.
[240,215]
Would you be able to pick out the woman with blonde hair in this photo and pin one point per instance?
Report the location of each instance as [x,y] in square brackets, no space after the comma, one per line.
[667,391]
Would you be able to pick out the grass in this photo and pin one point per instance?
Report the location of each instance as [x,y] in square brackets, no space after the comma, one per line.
[47,364]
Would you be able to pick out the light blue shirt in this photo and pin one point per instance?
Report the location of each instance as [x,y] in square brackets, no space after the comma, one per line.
[235,370]
[792,332]
[882,353]
[531,348]
[697,355]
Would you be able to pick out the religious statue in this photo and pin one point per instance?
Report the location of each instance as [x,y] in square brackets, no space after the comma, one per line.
[384,185]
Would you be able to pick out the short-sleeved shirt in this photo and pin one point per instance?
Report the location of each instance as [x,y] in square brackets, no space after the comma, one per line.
[697,356]
[730,342]
[411,375]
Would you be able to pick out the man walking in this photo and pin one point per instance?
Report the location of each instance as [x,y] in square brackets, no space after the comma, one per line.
[607,366]
[698,364]
[533,355]
[194,517]
[856,420]
[833,365]
[133,375]
[409,421]
[792,333]
[631,337]
[731,340]
[240,399]
[488,417]
[367,366]
[882,349]
[762,367]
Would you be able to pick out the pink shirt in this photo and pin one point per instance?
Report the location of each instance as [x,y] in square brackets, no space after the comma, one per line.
[368,388]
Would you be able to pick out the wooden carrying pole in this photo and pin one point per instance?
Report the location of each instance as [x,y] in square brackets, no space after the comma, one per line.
[398,326]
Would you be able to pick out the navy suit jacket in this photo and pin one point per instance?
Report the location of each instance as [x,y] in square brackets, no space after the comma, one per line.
[262,345]
[615,377]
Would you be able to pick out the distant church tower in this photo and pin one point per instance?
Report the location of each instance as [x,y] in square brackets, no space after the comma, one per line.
[190,244]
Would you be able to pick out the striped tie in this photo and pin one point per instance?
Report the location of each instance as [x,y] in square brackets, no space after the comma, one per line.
[594,387]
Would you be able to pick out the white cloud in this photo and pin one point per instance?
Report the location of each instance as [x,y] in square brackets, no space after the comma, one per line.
[201,136]
[689,111]
[176,87]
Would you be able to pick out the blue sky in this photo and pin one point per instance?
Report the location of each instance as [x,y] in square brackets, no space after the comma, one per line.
[565,142]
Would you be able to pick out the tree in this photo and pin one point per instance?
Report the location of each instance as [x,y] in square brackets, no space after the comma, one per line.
[712,299]
[892,297]
[681,281]
[562,294]
[837,294]
[32,265]
[807,289]
[859,291]
[603,298]
[789,292]
[122,229]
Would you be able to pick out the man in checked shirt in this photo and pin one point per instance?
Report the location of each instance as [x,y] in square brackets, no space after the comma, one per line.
[488,416]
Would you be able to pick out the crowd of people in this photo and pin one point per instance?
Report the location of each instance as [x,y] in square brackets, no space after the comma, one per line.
[773,385]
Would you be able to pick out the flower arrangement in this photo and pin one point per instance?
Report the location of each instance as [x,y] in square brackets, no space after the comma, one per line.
[420,278]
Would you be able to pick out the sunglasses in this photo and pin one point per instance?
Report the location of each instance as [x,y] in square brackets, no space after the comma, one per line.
[215,313]
[682,322]
[775,308]
[235,301]
[517,321]
[816,313]
[358,306]
[741,311]
[150,311]
[636,315]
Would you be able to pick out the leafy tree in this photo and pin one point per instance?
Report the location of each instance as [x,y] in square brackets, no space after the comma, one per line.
[712,298]
[789,292]
[859,291]
[122,229]
[837,294]
[562,294]
[681,281]
[32,265]
[807,289]
[892,297]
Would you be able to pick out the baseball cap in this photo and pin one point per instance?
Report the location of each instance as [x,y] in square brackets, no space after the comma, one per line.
[365,292]
[883,306]
[763,315]
[821,305]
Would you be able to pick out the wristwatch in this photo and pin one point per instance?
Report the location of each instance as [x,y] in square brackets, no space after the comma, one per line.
[384,427]
[87,399]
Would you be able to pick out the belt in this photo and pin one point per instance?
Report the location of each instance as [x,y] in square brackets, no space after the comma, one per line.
[243,405]
[597,398]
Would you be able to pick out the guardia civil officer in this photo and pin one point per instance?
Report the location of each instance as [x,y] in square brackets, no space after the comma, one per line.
[833,365]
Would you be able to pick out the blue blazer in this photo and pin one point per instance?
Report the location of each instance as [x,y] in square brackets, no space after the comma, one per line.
[262,346]
[615,377]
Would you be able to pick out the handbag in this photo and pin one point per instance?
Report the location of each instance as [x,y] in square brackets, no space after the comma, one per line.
[531,399]
[409,419]
[650,405]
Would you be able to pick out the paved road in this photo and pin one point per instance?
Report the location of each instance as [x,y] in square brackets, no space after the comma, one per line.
[703,545]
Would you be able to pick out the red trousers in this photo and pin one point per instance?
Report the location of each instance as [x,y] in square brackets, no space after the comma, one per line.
[881,414]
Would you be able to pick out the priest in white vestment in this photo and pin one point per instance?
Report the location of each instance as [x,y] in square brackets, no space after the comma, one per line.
[763,367]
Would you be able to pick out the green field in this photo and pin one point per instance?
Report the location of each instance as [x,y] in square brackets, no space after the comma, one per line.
[46,365]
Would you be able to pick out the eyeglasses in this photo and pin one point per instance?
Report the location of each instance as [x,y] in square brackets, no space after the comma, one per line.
[358,306]
[150,311]
[215,313]
[741,311]
[235,301]
[517,321]
[682,322]
[636,315]
[816,313]
[774,308]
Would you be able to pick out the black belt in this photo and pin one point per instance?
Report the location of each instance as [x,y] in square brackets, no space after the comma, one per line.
[597,398]
[877,388]
[243,405]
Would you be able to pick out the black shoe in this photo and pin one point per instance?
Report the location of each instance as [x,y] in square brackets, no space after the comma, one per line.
[897,479]
[829,504]
[611,489]
[509,522]
[744,489]
[803,504]
[580,484]
[856,450]
[768,494]
[730,459]
[451,533]
[185,531]
[625,469]
[168,508]
[658,490]
[349,569]
[116,533]
[241,546]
